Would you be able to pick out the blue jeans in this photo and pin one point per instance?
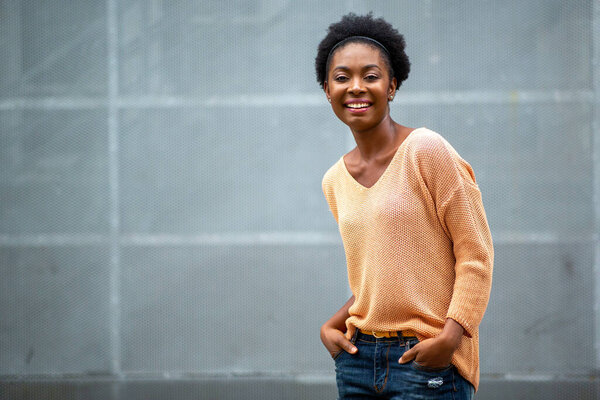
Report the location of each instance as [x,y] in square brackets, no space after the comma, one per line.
[374,373]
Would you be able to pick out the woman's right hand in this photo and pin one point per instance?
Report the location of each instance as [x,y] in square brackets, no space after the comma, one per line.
[335,341]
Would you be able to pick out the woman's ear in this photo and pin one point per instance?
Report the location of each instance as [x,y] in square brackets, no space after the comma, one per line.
[392,88]
[326,90]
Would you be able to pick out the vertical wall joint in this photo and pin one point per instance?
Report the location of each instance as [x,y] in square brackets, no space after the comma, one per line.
[596,172]
[113,162]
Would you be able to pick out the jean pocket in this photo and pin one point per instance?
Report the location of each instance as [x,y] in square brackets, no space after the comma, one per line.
[423,368]
[338,354]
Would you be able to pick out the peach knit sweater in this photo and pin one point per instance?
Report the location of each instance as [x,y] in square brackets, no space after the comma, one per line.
[417,243]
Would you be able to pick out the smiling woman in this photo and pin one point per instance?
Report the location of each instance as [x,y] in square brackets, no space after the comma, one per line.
[359,86]
[418,247]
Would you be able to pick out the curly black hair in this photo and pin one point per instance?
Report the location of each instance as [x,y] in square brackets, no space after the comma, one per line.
[374,28]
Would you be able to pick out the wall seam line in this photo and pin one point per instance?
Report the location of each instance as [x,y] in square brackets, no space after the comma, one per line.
[596,174]
[113,163]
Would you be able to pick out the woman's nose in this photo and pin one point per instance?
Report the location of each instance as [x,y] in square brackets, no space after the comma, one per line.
[356,86]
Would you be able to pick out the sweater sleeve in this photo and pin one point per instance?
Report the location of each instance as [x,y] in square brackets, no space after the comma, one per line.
[327,186]
[459,207]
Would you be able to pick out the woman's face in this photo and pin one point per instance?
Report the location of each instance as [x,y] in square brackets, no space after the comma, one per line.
[358,85]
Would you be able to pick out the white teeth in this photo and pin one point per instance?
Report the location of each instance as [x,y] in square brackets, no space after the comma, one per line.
[357,105]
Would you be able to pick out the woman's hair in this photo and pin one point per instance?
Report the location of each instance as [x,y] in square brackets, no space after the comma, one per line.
[361,28]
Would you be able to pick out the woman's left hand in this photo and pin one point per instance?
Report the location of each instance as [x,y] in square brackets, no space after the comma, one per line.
[436,352]
[432,353]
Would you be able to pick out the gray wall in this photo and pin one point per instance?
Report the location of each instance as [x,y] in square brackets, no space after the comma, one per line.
[161,213]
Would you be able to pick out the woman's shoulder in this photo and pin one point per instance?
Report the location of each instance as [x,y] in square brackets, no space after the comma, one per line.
[424,142]
[432,152]
[333,173]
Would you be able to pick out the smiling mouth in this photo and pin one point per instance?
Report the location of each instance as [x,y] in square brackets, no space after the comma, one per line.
[358,106]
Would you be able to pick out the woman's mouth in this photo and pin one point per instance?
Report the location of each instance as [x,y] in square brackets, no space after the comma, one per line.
[357,106]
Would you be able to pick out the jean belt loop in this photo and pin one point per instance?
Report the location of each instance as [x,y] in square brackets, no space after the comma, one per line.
[400,338]
[407,344]
[355,336]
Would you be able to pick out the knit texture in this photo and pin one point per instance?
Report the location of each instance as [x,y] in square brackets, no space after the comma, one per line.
[417,243]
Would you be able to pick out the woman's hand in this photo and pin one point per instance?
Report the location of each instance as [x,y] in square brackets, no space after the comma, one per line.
[436,352]
[335,341]
[432,353]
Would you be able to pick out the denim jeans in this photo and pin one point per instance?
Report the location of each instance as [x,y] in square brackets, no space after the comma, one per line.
[374,373]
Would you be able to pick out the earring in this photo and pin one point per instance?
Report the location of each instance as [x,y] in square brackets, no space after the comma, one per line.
[391,98]
[329,100]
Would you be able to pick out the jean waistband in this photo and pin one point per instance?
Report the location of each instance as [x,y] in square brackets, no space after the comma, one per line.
[389,334]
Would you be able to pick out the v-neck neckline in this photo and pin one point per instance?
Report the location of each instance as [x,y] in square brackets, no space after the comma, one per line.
[382,176]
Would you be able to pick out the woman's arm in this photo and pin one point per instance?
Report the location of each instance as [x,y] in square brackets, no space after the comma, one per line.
[451,183]
[334,336]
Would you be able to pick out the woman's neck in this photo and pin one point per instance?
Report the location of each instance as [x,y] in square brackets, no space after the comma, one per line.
[379,140]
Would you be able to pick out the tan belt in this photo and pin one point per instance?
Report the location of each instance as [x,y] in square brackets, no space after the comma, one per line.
[405,333]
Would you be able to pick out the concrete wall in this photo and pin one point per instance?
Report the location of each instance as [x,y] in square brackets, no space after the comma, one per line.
[161,213]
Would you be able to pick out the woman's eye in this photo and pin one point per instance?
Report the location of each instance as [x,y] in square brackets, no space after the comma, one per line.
[371,77]
[340,78]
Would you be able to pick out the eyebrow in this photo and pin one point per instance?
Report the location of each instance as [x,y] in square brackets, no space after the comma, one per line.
[365,67]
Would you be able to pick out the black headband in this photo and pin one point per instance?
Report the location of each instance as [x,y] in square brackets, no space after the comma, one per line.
[342,42]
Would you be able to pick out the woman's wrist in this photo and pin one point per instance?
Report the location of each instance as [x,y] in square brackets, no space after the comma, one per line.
[452,333]
[328,325]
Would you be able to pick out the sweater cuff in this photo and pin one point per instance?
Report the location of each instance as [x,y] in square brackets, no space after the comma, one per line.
[469,329]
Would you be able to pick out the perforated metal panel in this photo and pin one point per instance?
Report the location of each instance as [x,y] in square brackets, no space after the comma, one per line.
[161,212]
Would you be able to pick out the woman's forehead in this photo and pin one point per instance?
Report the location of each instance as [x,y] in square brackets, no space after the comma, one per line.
[357,53]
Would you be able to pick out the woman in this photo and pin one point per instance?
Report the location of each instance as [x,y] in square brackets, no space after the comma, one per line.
[418,248]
